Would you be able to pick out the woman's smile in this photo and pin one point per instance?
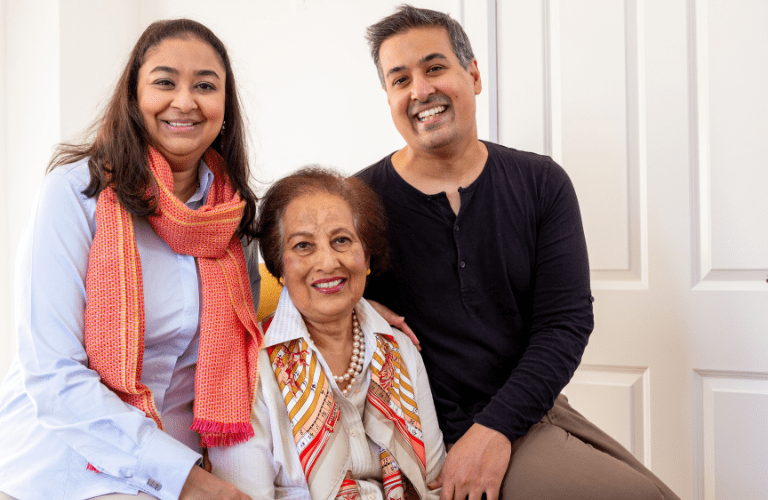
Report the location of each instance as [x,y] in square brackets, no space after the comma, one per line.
[323,258]
[332,285]
[181,95]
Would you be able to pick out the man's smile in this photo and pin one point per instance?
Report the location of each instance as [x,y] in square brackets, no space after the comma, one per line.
[427,114]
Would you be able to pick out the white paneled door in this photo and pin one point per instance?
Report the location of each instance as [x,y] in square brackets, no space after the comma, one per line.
[658,109]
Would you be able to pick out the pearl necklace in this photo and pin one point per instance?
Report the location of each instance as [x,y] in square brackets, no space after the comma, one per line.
[358,354]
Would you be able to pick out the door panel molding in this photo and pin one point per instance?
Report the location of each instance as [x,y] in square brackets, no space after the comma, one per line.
[617,400]
[730,437]
[726,253]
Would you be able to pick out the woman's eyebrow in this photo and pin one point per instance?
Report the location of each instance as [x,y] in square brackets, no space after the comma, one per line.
[174,71]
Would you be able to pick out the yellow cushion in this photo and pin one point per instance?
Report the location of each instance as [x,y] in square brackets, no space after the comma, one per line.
[270,293]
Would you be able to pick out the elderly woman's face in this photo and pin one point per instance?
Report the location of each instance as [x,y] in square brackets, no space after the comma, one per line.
[324,264]
[181,94]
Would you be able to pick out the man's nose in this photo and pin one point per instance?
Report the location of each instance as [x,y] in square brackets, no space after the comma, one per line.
[421,89]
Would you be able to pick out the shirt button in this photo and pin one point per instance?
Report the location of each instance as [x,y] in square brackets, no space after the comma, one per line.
[353,433]
[457,228]
[371,496]
[429,196]
[462,264]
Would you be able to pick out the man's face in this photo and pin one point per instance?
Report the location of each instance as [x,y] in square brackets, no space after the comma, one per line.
[431,96]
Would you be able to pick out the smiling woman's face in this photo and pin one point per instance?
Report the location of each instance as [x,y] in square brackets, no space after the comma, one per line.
[324,264]
[181,94]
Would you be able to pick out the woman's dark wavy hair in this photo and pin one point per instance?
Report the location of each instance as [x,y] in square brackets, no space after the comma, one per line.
[367,211]
[120,148]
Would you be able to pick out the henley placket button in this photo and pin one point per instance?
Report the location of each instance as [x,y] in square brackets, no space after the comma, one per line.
[462,264]
[457,228]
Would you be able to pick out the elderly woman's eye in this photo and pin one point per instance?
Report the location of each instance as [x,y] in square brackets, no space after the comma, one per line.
[301,245]
[341,240]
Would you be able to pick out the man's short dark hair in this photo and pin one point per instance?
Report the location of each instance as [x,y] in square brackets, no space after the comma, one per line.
[408,17]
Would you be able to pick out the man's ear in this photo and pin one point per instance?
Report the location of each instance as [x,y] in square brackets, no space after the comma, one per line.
[473,70]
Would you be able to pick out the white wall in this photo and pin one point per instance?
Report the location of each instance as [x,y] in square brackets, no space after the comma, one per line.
[7,344]
[310,91]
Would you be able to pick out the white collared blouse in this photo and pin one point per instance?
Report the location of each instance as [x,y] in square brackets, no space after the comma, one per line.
[268,467]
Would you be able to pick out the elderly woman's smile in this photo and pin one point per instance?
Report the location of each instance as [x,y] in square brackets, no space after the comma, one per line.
[323,258]
[329,286]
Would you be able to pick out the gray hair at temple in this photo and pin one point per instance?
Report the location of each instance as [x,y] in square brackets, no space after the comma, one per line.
[408,17]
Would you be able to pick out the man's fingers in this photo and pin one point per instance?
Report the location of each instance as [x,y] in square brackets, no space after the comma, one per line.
[438,482]
[403,327]
[447,492]
[396,321]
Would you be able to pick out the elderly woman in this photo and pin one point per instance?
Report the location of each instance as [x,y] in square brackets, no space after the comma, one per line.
[131,234]
[343,405]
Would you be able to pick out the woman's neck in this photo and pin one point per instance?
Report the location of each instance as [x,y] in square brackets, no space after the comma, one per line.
[334,341]
[327,335]
[185,183]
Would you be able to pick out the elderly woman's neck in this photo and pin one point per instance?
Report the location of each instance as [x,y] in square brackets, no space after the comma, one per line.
[332,336]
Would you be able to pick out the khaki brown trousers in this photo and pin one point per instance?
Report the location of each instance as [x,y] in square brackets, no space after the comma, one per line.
[565,456]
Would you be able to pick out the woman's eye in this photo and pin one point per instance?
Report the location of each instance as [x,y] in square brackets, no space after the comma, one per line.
[164,82]
[341,240]
[206,86]
[301,246]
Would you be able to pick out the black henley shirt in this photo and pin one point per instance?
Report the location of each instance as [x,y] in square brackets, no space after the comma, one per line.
[499,295]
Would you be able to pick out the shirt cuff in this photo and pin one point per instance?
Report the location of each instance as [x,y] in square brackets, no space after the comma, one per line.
[163,466]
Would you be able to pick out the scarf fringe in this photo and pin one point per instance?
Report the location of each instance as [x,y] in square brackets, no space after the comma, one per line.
[214,434]
[229,335]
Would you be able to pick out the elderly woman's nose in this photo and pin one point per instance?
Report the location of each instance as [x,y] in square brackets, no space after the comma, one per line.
[327,258]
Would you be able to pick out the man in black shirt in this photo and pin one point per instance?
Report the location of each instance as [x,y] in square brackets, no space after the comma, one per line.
[489,265]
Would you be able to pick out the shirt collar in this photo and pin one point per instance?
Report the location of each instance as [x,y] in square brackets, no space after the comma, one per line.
[288,324]
[205,178]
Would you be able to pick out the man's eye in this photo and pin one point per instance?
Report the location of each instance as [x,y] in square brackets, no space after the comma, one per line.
[399,81]
[432,69]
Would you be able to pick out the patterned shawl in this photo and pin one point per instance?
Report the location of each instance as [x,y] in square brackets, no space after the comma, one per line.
[314,415]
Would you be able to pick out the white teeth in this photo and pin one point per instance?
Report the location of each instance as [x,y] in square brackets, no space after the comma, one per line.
[180,124]
[431,112]
[329,284]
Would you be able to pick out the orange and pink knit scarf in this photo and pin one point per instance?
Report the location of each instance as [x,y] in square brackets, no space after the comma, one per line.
[227,364]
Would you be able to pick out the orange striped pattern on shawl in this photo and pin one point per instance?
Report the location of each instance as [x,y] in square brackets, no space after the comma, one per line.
[314,414]
[227,364]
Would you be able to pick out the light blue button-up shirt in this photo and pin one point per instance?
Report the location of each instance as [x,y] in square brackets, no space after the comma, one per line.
[55,414]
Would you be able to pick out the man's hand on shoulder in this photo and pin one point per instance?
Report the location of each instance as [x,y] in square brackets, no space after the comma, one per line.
[396,321]
[475,464]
